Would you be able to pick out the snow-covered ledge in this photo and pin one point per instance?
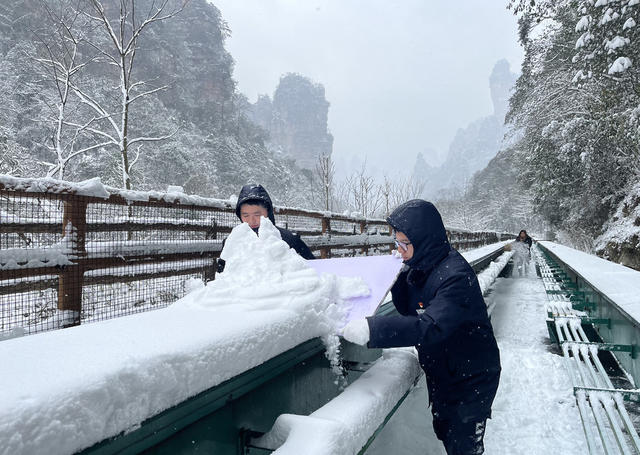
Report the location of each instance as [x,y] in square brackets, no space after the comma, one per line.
[618,283]
[344,425]
[66,390]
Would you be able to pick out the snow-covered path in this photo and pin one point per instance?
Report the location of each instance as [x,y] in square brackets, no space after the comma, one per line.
[534,411]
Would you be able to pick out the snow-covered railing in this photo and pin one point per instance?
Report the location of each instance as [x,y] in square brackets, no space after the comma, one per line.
[99,252]
[582,290]
[605,291]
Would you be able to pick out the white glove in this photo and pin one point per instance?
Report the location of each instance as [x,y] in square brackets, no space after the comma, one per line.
[357,331]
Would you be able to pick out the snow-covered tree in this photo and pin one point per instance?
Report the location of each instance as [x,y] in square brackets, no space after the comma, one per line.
[575,117]
[608,45]
[362,192]
[123,26]
[325,173]
[12,159]
[59,65]
[215,149]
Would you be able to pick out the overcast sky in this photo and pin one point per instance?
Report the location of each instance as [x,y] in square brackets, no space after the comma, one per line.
[401,75]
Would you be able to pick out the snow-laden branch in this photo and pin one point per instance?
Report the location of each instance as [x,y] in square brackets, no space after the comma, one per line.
[98,132]
[96,106]
[148,92]
[102,18]
[153,139]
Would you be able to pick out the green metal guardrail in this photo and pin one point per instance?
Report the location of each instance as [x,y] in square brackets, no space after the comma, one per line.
[209,403]
[614,325]
[600,404]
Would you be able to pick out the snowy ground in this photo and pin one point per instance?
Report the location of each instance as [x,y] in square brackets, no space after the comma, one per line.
[534,411]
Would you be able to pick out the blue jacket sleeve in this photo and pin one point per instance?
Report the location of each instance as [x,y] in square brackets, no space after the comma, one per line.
[448,309]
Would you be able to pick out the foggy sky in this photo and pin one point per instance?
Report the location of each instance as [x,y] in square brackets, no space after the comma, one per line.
[401,75]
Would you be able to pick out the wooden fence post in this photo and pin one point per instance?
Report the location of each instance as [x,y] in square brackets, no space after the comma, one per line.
[363,230]
[209,273]
[74,224]
[392,246]
[326,230]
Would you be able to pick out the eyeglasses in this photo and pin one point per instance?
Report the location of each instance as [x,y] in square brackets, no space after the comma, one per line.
[402,245]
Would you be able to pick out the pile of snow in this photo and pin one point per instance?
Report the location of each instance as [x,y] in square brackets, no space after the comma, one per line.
[95,188]
[58,254]
[344,425]
[488,276]
[92,187]
[65,390]
[478,254]
[620,65]
[19,258]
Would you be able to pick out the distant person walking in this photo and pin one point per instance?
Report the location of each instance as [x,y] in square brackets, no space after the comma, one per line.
[522,253]
[442,314]
[524,237]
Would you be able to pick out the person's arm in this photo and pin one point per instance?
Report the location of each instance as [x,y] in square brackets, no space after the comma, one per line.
[294,241]
[444,314]
[302,249]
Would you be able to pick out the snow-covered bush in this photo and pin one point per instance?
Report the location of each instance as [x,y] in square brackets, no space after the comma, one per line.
[620,241]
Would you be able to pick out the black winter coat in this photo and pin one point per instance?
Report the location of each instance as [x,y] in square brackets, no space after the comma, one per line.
[442,314]
[256,194]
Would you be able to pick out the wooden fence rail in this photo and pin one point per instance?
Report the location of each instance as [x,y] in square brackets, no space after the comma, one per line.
[69,253]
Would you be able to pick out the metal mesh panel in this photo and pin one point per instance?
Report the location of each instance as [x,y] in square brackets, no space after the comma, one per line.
[108,300]
[303,225]
[28,305]
[29,222]
[345,227]
[29,236]
[67,259]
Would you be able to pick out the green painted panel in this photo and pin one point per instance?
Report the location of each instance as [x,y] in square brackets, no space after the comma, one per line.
[169,422]
[620,328]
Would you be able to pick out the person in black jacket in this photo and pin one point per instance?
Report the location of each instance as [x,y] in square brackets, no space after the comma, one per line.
[253,203]
[442,314]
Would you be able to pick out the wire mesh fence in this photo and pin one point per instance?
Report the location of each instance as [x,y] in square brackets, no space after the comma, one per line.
[71,255]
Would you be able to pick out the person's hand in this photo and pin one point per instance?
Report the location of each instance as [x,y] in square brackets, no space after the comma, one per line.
[357,331]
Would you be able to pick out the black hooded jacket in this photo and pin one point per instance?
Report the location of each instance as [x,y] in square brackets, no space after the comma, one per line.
[256,194]
[442,314]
